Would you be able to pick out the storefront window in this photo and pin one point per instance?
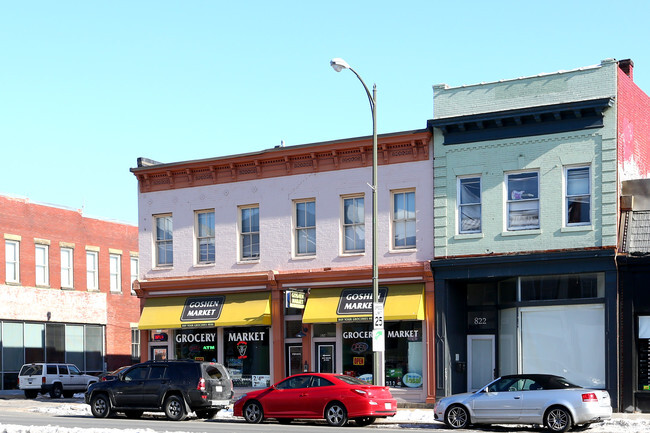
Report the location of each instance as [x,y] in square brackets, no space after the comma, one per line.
[325,330]
[403,356]
[196,344]
[247,357]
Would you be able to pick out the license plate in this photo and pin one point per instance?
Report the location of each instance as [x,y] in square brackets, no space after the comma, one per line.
[387,405]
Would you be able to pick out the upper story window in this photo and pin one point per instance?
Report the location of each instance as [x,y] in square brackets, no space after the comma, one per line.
[305,227]
[205,236]
[115,270]
[578,195]
[135,269]
[67,264]
[12,261]
[523,200]
[42,265]
[403,219]
[92,270]
[469,205]
[249,232]
[164,240]
[354,232]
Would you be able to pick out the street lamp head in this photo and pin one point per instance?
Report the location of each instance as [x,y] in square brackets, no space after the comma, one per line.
[339,64]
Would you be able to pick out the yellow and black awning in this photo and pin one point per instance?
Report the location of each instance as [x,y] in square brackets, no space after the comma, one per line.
[401,302]
[236,309]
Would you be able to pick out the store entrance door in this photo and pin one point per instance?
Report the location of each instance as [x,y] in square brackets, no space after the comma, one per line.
[481,364]
[325,357]
[294,359]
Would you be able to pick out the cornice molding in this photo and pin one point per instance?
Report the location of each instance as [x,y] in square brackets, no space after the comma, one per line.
[306,159]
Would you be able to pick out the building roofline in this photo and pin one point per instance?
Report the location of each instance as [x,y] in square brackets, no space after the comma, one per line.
[271,152]
[443,86]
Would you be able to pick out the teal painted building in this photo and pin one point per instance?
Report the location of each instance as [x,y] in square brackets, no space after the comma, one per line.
[526,175]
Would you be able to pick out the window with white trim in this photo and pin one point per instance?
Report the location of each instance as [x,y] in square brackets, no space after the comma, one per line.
[92,270]
[135,345]
[135,269]
[403,219]
[469,204]
[204,230]
[12,261]
[115,272]
[67,264]
[354,231]
[522,205]
[578,195]
[249,228]
[164,240]
[42,264]
[305,233]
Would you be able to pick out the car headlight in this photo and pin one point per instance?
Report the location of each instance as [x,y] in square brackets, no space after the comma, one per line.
[242,397]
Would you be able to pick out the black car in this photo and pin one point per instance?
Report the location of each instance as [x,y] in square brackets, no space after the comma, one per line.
[174,387]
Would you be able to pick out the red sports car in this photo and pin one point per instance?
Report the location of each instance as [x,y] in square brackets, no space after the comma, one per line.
[333,397]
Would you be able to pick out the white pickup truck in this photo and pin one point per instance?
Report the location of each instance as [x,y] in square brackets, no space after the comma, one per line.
[53,378]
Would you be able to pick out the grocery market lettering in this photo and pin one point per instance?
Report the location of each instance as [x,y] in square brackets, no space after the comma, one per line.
[246,336]
[196,338]
[409,333]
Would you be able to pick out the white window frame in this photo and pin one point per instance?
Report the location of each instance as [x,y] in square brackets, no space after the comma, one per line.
[201,238]
[42,267]
[568,197]
[298,230]
[92,270]
[67,267]
[135,343]
[158,242]
[115,272]
[135,270]
[251,234]
[12,261]
[397,219]
[517,199]
[354,225]
[460,205]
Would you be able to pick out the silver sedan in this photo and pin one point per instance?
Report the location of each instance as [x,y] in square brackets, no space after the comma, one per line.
[540,399]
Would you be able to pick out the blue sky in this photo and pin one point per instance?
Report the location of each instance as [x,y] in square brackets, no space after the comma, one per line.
[86,87]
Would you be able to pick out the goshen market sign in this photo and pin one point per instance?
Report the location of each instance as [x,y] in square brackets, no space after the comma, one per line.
[202,308]
[358,302]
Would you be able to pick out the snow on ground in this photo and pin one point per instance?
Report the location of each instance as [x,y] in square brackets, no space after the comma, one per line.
[405,418]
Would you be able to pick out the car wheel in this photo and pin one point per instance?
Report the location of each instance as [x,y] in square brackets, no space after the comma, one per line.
[56,391]
[253,412]
[284,420]
[457,417]
[133,414]
[175,408]
[336,415]
[100,406]
[31,393]
[557,419]
[364,421]
[206,414]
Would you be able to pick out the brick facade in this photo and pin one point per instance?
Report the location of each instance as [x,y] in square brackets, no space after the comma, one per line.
[633,128]
[31,224]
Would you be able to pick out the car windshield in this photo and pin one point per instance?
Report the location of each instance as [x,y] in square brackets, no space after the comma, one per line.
[351,380]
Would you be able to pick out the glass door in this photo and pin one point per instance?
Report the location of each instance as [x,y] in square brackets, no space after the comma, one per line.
[325,359]
[294,359]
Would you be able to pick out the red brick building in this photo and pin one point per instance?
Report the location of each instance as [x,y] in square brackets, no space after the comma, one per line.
[65,289]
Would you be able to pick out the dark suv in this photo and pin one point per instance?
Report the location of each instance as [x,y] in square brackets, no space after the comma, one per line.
[175,387]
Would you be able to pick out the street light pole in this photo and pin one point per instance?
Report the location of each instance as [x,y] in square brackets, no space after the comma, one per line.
[378,375]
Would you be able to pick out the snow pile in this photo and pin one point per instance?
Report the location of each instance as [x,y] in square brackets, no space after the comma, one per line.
[11,428]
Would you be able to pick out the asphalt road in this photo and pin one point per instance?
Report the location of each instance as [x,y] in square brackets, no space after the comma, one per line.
[22,412]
